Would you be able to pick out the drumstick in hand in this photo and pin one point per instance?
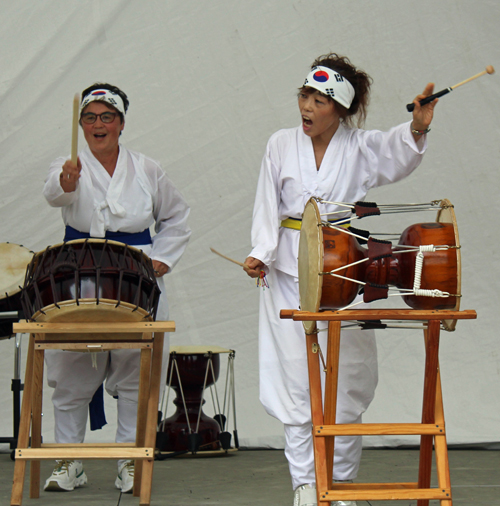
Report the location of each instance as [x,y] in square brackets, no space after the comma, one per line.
[489,70]
[74,131]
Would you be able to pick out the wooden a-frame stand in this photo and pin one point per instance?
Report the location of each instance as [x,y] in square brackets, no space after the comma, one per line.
[431,429]
[146,336]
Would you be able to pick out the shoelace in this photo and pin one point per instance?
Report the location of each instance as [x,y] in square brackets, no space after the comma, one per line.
[130,466]
[62,466]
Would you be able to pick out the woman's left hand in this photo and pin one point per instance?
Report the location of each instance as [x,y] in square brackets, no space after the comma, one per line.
[160,268]
[422,114]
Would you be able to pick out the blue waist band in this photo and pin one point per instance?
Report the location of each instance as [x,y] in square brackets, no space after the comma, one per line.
[135,239]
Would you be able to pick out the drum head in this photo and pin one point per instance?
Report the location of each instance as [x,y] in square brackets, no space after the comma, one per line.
[310,262]
[13,262]
[447,215]
[88,311]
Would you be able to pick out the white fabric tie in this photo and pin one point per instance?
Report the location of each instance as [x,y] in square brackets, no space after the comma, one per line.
[97,226]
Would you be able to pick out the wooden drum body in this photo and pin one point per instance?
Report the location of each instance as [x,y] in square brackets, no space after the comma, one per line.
[90,280]
[191,370]
[440,267]
[324,249]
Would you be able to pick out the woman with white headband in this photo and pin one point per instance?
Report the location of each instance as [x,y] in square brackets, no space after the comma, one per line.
[117,194]
[325,157]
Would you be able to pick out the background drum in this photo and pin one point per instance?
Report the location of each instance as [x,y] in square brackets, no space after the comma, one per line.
[13,262]
[331,262]
[90,280]
[191,370]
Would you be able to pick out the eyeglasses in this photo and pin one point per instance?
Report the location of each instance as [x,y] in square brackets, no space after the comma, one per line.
[106,117]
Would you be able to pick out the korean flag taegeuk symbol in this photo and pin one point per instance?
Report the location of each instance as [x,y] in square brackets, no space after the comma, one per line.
[321,76]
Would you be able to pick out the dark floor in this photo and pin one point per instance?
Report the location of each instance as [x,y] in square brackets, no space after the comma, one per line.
[260,478]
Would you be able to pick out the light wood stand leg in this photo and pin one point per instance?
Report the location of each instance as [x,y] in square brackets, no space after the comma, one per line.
[142,406]
[24,427]
[431,429]
[152,420]
[31,413]
[317,415]
[331,387]
[36,422]
[428,406]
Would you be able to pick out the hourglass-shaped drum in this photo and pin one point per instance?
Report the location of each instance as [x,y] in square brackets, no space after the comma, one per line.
[332,262]
[191,370]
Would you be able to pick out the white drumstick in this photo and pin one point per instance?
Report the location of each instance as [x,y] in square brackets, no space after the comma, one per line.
[489,70]
[74,136]
[227,258]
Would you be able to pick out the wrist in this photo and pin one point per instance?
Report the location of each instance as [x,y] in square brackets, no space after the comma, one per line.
[415,129]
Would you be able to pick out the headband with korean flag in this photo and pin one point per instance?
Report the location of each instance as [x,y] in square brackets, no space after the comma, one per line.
[104,96]
[331,83]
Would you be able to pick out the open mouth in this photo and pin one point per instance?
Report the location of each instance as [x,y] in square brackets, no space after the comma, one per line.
[306,121]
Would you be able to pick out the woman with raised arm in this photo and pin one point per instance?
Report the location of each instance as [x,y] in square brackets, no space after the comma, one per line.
[118,194]
[325,157]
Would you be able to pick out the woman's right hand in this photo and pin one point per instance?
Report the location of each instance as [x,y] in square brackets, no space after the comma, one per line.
[253,267]
[70,175]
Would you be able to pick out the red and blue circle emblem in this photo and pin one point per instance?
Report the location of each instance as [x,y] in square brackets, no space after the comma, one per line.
[321,76]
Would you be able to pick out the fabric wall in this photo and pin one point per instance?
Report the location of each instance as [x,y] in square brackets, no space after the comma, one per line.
[209,82]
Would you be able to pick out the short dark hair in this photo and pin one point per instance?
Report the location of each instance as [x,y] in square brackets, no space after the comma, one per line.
[113,89]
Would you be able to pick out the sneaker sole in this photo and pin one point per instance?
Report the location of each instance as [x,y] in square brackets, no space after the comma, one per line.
[118,485]
[54,485]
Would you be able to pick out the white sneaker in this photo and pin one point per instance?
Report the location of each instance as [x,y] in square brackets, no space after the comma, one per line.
[305,495]
[66,476]
[125,478]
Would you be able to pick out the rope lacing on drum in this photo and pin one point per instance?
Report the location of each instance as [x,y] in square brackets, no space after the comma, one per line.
[120,282]
[397,248]
[173,361]
[147,272]
[34,276]
[60,262]
[371,208]
[383,208]
[209,363]
[419,264]
[97,264]
[216,399]
[230,395]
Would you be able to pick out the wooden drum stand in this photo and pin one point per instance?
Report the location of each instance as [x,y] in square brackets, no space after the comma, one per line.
[146,336]
[431,429]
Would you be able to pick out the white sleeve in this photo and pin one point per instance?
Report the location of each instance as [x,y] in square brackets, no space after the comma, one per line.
[52,190]
[391,155]
[171,213]
[265,224]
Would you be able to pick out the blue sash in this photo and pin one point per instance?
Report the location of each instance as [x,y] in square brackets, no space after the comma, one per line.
[132,239]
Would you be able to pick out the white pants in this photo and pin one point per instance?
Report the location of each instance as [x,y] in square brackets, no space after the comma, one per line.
[75,381]
[284,381]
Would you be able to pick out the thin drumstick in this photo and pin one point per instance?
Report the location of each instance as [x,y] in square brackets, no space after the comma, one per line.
[489,70]
[74,131]
[227,258]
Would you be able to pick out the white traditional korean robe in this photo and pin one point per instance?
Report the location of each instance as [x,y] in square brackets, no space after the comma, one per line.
[355,161]
[137,196]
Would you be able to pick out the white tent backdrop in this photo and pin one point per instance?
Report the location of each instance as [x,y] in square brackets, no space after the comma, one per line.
[209,82]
